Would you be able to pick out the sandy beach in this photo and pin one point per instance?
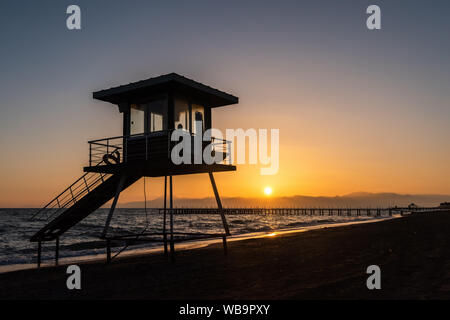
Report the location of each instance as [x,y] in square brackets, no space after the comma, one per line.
[413,253]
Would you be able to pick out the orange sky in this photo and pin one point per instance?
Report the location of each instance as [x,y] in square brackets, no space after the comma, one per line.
[357,110]
[321,152]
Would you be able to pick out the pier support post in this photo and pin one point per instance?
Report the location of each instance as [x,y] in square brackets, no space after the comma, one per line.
[39,254]
[57,251]
[165,217]
[172,245]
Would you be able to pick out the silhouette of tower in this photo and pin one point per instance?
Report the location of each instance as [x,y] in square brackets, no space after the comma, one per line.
[152,109]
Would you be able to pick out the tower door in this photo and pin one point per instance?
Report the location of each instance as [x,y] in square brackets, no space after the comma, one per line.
[146,120]
[137,119]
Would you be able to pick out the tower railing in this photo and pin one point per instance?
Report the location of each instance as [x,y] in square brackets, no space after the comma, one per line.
[108,150]
[120,149]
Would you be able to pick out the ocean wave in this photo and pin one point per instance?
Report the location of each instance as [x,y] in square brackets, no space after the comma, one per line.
[263,228]
[298,224]
[16,230]
[238,221]
[98,244]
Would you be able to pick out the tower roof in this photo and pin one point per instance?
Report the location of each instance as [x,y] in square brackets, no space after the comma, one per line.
[164,83]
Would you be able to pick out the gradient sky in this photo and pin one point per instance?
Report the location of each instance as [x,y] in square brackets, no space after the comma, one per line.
[357,110]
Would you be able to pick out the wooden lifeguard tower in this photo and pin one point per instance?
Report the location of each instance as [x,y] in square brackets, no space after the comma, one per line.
[152,109]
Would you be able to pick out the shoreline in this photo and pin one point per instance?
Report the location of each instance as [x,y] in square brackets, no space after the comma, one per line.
[189,245]
[413,254]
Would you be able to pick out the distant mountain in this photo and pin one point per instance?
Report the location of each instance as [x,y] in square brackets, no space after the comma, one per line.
[356,199]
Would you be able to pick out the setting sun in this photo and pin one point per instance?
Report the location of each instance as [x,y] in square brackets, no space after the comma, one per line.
[267,191]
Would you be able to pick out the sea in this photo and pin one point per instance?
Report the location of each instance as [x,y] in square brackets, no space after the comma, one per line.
[83,240]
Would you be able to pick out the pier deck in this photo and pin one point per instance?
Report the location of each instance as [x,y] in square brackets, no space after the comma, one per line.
[305,211]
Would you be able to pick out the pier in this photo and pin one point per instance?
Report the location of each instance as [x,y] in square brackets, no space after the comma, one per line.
[350,212]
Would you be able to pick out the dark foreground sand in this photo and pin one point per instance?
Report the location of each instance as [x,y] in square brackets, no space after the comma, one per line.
[413,253]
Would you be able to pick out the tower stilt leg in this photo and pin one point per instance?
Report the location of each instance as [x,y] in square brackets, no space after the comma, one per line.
[219,204]
[57,251]
[222,215]
[225,247]
[39,254]
[165,216]
[108,251]
[113,205]
[172,245]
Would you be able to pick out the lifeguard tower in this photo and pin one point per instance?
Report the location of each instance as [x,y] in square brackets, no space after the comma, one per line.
[152,109]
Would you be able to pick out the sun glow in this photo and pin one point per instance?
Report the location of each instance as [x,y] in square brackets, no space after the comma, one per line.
[267,191]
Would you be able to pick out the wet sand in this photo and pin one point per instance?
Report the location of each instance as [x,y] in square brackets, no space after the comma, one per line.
[413,253]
